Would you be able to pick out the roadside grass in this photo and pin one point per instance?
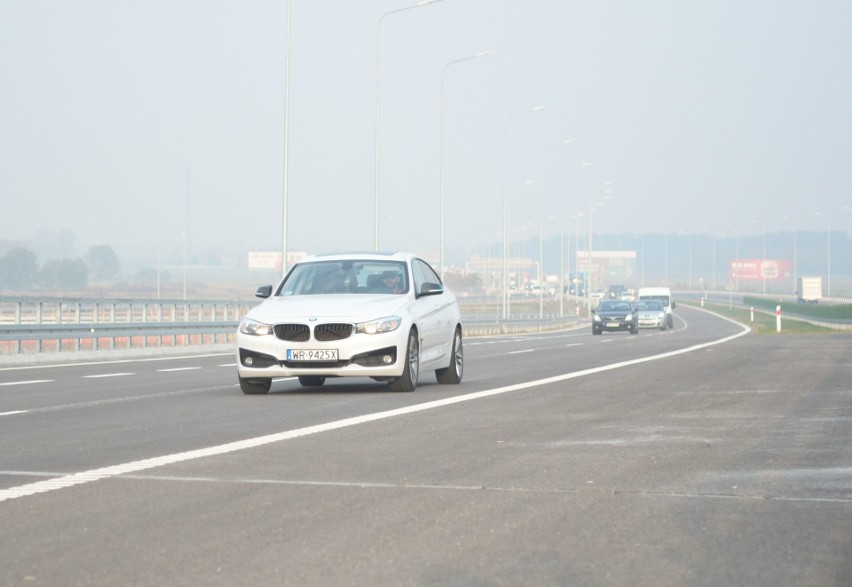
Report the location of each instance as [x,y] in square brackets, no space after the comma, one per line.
[765,323]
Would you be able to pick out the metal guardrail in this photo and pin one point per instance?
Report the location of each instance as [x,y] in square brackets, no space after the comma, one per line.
[38,325]
[736,299]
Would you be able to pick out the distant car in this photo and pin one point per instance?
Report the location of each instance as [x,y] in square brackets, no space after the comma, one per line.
[384,316]
[614,292]
[652,314]
[615,315]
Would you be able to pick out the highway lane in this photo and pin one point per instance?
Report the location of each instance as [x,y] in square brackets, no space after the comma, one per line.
[726,465]
[67,418]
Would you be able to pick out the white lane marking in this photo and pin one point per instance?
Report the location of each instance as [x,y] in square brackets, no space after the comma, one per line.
[228,365]
[13,413]
[114,362]
[177,369]
[29,382]
[145,464]
[574,344]
[107,375]
[519,352]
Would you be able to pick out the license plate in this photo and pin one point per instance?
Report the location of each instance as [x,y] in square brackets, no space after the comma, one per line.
[612,324]
[311,354]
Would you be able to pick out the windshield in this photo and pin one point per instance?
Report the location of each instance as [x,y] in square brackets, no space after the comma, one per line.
[650,305]
[614,307]
[345,277]
[663,299]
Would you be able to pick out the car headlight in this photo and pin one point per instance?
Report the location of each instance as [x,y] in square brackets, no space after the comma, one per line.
[379,326]
[628,318]
[255,328]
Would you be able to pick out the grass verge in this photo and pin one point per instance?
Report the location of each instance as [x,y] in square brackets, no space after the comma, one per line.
[765,323]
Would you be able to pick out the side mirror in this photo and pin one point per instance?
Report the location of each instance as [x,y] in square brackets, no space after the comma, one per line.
[431,289]
[264,291]
[673,305]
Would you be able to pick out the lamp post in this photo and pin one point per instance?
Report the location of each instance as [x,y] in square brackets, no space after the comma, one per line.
[795,251]
[762,268]
[541,228]
[736,258]
[378,101]
[285,204]
[506,204]
[443,83]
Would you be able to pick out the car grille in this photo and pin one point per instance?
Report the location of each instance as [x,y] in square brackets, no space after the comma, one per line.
[322,332]
[292,332]
[329,332]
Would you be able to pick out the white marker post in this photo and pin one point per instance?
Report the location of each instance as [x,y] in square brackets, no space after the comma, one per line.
[777,318]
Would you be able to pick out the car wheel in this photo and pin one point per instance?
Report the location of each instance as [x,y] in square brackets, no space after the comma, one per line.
[634,330]
[663,327]
[311,380]
[255,386]
[408,380]
[595,330]
[453,373]
[670,322]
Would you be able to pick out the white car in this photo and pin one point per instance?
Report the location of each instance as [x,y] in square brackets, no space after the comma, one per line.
[384,316]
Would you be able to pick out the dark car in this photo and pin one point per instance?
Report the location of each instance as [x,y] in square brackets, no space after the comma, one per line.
[615,315]
[615,291]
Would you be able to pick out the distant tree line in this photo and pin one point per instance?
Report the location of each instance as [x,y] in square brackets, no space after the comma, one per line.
[19,269]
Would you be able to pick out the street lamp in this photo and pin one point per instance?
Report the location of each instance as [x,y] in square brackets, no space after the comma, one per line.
[285,205]
[378,101]
[541,228]
[506,204]
[795,251]
[443,82]
[762,267]
[828,255]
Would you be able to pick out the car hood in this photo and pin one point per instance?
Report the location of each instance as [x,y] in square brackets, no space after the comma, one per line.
[340,308]
[650,313]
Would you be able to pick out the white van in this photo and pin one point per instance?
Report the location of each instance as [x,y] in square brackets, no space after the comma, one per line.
[664,294]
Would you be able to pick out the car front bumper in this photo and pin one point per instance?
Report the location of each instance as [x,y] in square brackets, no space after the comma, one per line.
[360,355]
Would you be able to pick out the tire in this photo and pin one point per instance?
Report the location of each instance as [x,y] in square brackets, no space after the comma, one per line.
[255,386]
[453,374]
[311,380]
[670,321]
[408,380]
[664,327]
[595,330]
[634,330]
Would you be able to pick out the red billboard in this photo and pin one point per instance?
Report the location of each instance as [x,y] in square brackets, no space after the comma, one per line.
[760,269]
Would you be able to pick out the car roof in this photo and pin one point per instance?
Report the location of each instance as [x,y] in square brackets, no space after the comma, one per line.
[361,255]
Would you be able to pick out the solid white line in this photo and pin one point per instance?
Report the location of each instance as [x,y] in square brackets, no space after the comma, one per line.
[114,361]
[177,369]
[13,413]
[520,352]
[145,464]
[107,375]
[29,382]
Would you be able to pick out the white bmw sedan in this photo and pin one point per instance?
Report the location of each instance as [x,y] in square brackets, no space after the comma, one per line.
[384,316]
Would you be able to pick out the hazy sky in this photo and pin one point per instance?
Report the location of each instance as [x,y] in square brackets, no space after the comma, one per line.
[122,119]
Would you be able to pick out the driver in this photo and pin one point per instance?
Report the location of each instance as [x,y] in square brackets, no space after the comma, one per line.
[392,281]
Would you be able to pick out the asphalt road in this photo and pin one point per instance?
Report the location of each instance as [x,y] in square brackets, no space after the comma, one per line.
[699,456]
